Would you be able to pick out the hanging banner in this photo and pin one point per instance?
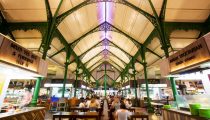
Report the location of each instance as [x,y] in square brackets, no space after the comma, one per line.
[195,53]
[13,53]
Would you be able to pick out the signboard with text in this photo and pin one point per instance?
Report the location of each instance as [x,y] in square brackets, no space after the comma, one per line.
[193,54]
[15,54]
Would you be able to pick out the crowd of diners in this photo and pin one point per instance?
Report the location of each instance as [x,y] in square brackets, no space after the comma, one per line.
[93,102]
[117,106]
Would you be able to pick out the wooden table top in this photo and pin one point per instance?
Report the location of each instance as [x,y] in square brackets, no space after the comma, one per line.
[157,104]
[139,114]
[76,114]
[79,108]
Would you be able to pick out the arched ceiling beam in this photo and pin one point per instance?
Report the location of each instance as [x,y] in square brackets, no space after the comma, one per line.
[93,57]
[48,11]
[117,57]
[104,50]
[108,27]
[97,44]
[116,64]
[61,17]
[104,76]
[110,44]
[104,63]
[64,42]
[108,52]
[4,27]
[95,64]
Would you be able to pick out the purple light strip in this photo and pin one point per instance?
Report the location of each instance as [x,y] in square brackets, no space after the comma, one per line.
[105,13]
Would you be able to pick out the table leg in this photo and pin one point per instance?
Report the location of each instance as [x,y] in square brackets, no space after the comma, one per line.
[53,117]
[59,118]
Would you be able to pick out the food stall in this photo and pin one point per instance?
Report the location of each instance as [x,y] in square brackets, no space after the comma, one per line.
[158,89]
[55,87]
[18,63]
[189,71]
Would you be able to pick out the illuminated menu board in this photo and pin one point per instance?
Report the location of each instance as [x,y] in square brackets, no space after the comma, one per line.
[193,54]
[13,53]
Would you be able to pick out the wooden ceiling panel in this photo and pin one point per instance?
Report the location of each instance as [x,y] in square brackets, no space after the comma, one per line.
[119,53]
[178,44]
[186,15]
[91,54]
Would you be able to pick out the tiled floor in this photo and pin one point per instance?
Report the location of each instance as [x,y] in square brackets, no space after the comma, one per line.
[48,115]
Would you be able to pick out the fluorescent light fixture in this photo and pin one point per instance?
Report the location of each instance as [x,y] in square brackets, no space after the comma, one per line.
[154,85]
[17,73]
[57,85]
[83,86]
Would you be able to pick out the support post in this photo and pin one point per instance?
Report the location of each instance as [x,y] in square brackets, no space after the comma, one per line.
[173,86]
[135,83]
[75,86]
[149,106]
[36,92]
[68,54]
[105,82]
[150,109]
[65,78]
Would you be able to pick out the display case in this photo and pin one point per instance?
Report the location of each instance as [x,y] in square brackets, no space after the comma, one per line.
[185,100]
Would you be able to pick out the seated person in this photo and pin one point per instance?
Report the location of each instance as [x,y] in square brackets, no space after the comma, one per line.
[115,104]
[128,103]
[82,104]
[122,113]
[93,105]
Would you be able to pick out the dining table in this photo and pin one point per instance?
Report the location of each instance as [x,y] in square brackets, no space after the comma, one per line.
[142,115]
[74,115]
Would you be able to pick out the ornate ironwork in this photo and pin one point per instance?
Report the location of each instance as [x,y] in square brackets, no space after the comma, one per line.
[124,2]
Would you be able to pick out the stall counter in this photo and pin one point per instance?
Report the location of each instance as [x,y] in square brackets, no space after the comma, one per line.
[25,114]
[175,114]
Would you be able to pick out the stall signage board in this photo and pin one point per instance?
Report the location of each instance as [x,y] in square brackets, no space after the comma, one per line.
[15,54]
[193,54]
[150,81]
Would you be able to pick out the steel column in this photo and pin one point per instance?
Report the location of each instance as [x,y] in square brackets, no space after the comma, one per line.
[135,84]
[105,78]
[76,84]
[68,54]
[36,92]
[173,86]
[150,109]
[65,78]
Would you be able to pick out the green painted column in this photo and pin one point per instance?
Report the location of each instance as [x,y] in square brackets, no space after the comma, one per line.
[150,109]
[36,92]
[173,86]
[75,87]
[135,83]
[105,80]
[65,78]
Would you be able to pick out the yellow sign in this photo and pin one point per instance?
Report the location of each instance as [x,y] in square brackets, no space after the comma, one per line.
[193,54]
[1,86]
[15,54]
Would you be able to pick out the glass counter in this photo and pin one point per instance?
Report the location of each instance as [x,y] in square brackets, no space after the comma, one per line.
[185,100]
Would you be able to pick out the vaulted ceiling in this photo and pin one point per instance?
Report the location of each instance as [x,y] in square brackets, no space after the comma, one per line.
[104,31]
